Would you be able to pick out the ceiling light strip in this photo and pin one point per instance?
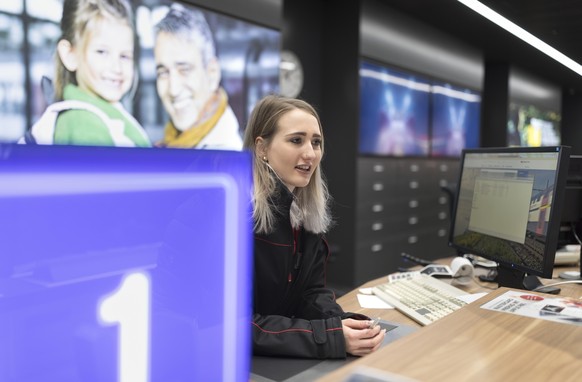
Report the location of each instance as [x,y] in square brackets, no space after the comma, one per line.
[523,34]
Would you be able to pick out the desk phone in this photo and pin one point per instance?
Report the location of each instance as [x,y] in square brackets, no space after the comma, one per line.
[435,270]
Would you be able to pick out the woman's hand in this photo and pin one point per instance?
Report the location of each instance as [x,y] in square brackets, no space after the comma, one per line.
[360,338]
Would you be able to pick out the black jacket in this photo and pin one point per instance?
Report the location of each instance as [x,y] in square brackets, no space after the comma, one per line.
[294,314]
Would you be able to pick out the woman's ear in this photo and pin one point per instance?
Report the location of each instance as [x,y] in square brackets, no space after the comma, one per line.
[260,147]
[68,55]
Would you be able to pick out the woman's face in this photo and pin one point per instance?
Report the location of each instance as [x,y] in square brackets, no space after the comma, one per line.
[295,149]
[107,67]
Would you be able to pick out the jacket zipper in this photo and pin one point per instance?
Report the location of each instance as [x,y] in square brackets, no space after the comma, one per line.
[296,261]
[296,256]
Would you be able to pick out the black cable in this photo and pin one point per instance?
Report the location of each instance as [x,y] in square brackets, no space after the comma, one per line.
[416,260]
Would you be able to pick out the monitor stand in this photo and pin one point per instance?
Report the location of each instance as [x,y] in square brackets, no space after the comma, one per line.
[513,278]
[573,275]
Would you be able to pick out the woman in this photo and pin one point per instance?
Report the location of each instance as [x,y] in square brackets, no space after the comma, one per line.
[294,314]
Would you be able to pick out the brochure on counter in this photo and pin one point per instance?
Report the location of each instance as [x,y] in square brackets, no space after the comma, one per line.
[558,309]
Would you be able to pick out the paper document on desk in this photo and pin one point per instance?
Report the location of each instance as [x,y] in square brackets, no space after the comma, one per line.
[559,309]
[469,298]
[372,302]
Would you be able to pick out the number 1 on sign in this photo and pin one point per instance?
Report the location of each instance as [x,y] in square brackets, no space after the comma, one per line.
[129,307]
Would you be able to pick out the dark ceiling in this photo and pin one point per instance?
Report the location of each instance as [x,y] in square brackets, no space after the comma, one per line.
[556,22]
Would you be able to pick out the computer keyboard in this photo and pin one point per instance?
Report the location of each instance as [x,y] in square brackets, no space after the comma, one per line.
[422,298]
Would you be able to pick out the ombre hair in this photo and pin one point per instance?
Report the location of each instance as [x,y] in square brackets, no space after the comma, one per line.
[78,21]
[310,207]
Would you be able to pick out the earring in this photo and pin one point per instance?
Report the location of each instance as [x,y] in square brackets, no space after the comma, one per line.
[265,159]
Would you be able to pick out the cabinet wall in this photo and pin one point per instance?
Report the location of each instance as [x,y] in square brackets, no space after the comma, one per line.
[401,208]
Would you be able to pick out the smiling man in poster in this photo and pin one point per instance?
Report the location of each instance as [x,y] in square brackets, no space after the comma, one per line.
[188,83]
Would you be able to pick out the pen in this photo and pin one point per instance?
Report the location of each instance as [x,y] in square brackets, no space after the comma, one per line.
[374,322]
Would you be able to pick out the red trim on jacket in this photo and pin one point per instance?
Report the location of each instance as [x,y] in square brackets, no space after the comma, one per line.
[273,243]
[292,330]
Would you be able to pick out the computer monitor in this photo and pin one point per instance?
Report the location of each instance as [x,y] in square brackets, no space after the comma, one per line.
[394,112]
[508,210]
[570,230]
[124,264]
[455,119]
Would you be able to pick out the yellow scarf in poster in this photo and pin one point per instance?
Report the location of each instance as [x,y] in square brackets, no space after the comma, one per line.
[191,137]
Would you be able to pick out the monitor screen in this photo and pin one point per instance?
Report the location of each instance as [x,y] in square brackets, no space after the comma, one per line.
[248,66]
[124,264]
[394,112]
[530,126]
[508,208]
[455,120]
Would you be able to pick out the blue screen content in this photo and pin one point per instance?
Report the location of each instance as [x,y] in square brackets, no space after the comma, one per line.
[455,120]
[124,264]
[394,112]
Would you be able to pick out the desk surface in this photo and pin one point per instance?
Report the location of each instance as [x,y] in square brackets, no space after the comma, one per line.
[476,344]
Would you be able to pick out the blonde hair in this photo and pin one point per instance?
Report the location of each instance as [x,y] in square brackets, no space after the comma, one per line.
[79,18]
[310,207]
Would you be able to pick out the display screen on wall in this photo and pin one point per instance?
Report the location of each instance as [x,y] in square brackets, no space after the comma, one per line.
[455,119]
[530,126]
[394,112]
[164,84]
